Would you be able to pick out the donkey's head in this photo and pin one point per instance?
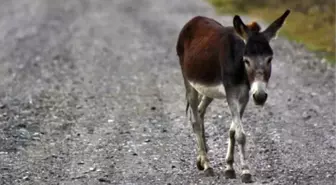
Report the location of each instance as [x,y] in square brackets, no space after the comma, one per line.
[258,54]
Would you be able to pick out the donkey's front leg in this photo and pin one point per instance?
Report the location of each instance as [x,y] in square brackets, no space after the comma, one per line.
[241,140]
[237,98]
[229,170]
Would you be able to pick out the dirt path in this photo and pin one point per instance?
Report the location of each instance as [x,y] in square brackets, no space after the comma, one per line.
[91,93]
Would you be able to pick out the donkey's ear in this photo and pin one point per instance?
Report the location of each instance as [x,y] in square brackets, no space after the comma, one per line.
[272,30]
[240,27]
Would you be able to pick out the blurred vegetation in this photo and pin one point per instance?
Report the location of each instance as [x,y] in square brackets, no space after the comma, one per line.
[311,22]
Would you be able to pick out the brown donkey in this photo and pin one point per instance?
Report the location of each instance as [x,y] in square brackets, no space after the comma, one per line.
[218,62]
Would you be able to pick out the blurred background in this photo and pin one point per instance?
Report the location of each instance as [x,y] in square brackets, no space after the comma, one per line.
[312,22]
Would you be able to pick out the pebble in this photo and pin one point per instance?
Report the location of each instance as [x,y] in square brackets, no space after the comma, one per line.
[36,136]
[103,179]
[24,133]
[38,58]
[2,106]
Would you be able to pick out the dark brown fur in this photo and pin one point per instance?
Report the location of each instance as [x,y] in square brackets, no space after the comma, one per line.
[203,45]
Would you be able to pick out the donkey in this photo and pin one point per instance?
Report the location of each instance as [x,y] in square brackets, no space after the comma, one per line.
[232,62]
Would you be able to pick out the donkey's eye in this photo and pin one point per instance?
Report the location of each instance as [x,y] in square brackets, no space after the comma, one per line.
[269,60]
[247,62]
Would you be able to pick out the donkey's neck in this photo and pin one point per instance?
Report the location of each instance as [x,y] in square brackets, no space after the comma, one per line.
[233,69]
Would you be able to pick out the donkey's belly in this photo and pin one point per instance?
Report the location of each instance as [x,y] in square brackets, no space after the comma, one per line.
[212,91]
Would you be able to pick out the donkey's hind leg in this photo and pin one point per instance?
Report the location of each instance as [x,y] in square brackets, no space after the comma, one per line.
[198,128]
[204,102]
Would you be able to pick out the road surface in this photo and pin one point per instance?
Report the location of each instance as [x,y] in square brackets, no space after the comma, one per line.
[91,93]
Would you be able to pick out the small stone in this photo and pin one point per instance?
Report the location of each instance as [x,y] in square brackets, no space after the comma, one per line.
[163,130]
[79,177]
[147,140]
[80,163]
[103,179]
[56,57]
[307,117]
[153,108]
[36,136]
[2,106]
[135,154]
[22,125]
[38,58]
[92,168]
[24,133]
[173,166]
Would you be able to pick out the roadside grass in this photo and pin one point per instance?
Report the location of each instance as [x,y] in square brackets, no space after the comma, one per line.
[311,22]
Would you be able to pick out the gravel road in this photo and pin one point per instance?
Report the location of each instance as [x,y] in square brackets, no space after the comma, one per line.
[91,93]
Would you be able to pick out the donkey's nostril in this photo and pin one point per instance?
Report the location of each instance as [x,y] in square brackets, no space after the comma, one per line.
[260,98]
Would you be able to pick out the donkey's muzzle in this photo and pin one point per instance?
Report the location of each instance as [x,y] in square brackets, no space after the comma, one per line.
[260,97]
[259,92]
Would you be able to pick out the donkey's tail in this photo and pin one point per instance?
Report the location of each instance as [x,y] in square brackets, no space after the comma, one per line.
[187,108]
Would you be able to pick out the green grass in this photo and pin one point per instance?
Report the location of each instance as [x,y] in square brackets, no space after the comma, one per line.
[311,22]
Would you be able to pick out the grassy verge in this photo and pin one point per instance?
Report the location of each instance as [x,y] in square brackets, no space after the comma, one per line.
[311,22]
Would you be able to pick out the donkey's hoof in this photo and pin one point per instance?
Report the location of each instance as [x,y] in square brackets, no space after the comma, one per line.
[230,174]
[246,178]
[199,164]
[209,172]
